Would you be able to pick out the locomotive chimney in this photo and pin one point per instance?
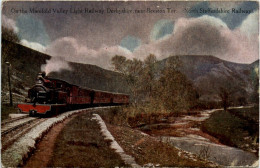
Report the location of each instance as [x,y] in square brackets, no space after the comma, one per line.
[43,74]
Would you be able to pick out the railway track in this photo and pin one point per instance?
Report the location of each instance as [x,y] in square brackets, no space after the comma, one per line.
[12,130]
[12,120]
[14,124]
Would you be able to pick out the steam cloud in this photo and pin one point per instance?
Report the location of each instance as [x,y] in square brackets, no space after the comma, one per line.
[55,64]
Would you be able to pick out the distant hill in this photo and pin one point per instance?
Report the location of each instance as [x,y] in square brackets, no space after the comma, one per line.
[209,73]
[92,76]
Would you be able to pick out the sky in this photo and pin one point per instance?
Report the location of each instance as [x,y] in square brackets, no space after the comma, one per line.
[71,31]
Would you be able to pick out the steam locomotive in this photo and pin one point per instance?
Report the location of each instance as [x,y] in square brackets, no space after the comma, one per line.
[51,96]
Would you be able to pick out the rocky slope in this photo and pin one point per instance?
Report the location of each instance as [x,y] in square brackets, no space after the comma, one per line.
[209,73]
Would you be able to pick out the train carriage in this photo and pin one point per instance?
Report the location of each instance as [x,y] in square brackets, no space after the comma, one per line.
[120,99]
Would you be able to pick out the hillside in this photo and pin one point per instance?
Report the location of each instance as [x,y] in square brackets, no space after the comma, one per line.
[209,73]
[26,64]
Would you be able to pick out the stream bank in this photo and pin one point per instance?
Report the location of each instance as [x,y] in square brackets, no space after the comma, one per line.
[185,133]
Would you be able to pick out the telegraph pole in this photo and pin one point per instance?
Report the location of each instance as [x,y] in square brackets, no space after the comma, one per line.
[9,82]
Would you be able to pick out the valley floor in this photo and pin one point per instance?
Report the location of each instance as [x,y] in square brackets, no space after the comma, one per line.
[80,143]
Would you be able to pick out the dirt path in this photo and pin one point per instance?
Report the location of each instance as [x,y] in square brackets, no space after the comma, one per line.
[44,150]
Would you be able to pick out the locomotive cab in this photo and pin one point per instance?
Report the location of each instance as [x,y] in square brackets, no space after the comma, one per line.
[48,90]
[40,92]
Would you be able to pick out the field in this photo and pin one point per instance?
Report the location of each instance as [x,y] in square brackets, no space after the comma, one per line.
[235,127]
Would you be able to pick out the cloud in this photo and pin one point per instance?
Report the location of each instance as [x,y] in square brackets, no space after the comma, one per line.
[241,49]
[199,36]
[9,24]
[191,36]
[33,45]
[205,35]
[71,50]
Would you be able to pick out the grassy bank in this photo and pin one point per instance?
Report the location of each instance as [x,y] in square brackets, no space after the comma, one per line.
[236,127]
[138,116]
[80,144]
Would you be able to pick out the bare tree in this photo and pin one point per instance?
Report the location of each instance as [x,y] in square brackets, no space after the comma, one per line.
[149,73]
[175,92]
[131,70]
[166,89]
[119,63]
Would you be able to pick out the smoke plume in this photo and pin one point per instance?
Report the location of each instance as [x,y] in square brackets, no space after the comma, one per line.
[55,64]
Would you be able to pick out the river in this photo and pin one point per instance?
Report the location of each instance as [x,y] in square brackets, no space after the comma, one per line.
[206,148]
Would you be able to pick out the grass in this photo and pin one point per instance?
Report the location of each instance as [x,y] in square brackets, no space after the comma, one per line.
[6,110]
[132,116]
[234,128]
[80,144]
[251,114]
